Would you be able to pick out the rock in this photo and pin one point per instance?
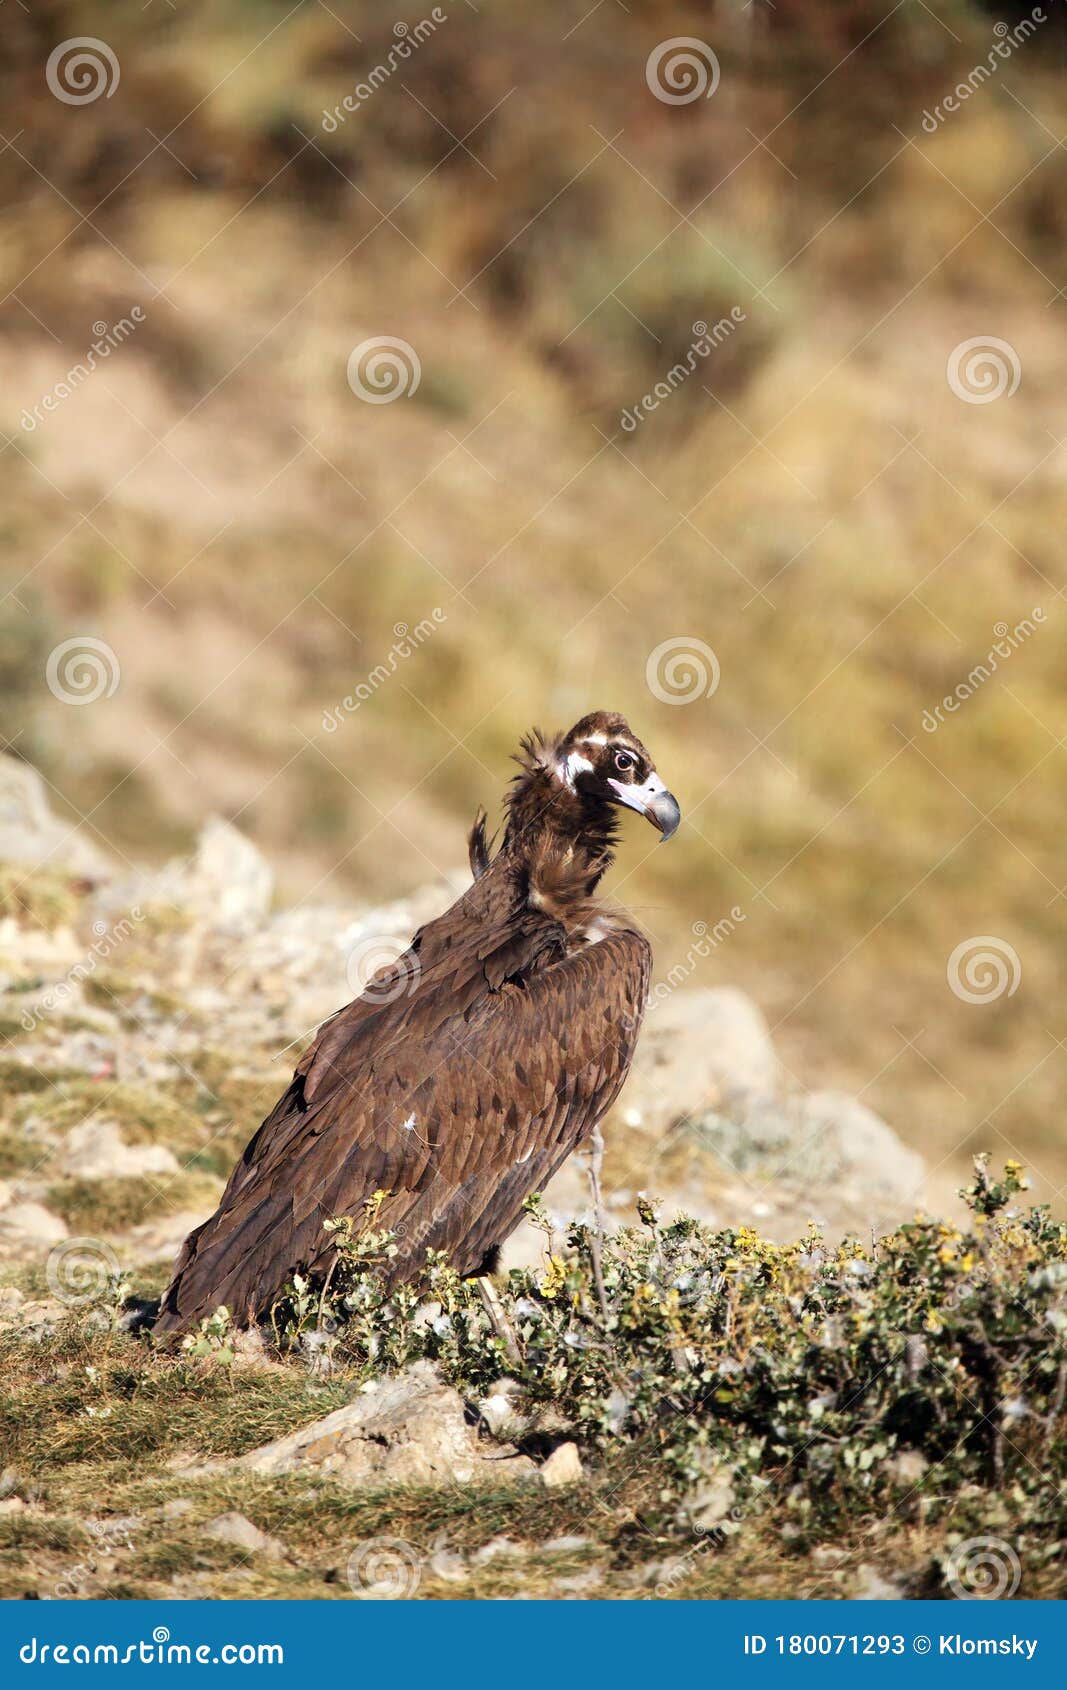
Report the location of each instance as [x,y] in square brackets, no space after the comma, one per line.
[176,1507]
[30,1226]
[97,1150]
[496,1549]
[160,1240]
[31,834]
[227,881]
[699,1046]
[409,1430]
[502,1409]
[565,1545]
[563,1467]
[238,1530]
[710,1500]
[906,1467]
[12,1505]
[446,1563]
[812,1140]
[871,1586]
[577,1582]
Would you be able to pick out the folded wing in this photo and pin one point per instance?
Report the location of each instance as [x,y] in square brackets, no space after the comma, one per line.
[457,1084]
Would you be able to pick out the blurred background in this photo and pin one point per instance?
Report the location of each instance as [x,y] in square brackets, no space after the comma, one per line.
[567,367]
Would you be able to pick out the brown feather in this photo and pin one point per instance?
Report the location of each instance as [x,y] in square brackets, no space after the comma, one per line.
[460,1080]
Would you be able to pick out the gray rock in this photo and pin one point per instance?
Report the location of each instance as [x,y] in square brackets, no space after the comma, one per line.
[31,834]
[563,1467]
[238,1530]
[813,1139]
[873,1586]
[30,1225]
[160,1240]
[228,880]
[698,1046]
[497,1549]
[410,1430]
[97,1150]
[906,1467]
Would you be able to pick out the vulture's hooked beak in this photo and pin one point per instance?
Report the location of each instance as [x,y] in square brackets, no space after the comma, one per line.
[651,800]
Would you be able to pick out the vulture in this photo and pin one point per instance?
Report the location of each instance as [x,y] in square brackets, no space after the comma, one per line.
[467,1071]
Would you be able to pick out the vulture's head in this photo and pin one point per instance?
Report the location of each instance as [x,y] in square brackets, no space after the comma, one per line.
[603,761]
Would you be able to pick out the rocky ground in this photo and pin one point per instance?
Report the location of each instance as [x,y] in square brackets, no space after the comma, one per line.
[148,1021]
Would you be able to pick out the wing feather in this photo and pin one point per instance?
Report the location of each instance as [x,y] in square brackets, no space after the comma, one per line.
[457,1097]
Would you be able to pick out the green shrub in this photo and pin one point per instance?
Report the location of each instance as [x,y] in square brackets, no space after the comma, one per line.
[802,1363]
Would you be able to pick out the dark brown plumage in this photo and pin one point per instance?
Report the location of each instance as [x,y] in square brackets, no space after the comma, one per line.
[468,1070]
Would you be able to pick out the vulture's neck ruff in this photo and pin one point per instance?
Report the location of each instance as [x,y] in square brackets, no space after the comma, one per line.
[562,812]
[551,816]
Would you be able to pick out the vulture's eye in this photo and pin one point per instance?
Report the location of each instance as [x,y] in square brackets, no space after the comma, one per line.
[625,761]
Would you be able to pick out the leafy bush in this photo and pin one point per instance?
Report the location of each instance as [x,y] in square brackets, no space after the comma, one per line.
[801,1363]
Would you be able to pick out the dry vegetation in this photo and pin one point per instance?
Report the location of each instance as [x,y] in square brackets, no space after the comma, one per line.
[769,1420]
